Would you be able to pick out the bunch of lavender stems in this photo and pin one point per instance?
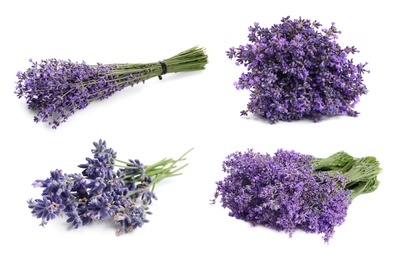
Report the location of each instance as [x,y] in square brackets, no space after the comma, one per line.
[106,189]
[188,60]
[290,190]
[56,89]
[296,69]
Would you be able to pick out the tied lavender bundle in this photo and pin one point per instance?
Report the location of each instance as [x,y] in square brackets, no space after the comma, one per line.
[295,71]
[290,190]
[56,89]
[101,193]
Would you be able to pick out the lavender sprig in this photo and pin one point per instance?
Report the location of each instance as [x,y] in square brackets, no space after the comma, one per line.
[107,188]
[56,89]
[296,70]
[290,190]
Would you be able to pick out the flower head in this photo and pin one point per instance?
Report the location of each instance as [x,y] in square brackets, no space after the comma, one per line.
[295,71]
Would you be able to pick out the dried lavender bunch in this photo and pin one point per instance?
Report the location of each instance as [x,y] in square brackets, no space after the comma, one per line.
[295,71]
[290,190]
[56,89]
[100,192]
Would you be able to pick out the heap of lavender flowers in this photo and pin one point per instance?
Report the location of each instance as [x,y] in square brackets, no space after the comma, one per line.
[290,190]
[100,192]
[295,71]
[56,89]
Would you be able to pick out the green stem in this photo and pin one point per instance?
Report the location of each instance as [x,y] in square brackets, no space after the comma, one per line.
[132,73]
[117,160]
[126,166]
[163,169]
[362,172]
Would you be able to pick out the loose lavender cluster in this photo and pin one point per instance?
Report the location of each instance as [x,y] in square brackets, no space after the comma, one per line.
[295,71]
[56,89]
[100,192]
[283,192]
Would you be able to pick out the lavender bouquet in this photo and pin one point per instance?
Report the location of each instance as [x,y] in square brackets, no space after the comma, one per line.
[102,193]
[56,89]
[290,190]
[295,70]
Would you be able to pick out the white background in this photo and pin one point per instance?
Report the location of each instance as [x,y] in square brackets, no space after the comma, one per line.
[199,109]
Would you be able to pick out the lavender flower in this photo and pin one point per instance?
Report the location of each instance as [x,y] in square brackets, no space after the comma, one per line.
[56,89]
[290,191]
[295,71]
[99,192]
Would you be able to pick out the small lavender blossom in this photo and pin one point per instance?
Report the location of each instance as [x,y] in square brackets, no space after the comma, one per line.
[295,71]
[100,192]
[286,192]
[56,89]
